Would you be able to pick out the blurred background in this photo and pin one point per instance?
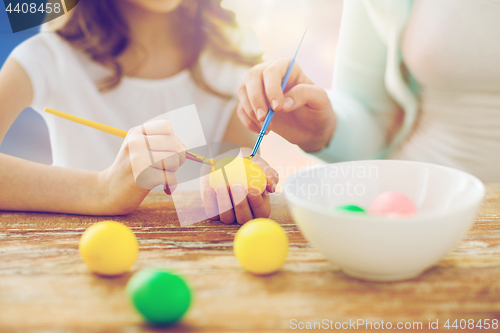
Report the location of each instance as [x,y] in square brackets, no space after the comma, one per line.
[279,25]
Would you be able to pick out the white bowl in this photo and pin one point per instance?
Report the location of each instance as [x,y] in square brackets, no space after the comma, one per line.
[383,248]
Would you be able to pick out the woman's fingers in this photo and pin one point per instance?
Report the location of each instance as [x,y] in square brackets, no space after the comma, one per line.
[262,88]
[246,121]
[259,203]
[306,94]
[245,112]
[273,76]
[245,103]
[255,91]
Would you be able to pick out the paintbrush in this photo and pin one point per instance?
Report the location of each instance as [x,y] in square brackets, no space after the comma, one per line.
[270,113]
[121,133]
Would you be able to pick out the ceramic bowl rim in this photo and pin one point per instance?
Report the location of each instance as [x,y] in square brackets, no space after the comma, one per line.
[312,206]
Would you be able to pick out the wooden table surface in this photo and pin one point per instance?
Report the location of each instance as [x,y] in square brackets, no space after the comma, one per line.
[44,285]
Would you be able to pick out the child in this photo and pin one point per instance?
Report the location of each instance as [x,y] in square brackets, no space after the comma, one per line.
[414,80]
[121,63]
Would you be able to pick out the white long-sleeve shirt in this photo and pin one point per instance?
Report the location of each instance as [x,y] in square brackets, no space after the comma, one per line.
[437,61]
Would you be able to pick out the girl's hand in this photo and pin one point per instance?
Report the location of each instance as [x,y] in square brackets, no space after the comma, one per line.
[238,204]
[304,114]
[150,156]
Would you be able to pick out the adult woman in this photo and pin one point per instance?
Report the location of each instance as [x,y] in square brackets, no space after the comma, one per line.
[416,80]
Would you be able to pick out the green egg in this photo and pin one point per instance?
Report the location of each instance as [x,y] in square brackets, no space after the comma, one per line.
[349,209]
[161,296]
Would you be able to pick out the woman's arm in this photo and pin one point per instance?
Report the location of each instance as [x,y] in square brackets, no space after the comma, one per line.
[366,113]
[354,120]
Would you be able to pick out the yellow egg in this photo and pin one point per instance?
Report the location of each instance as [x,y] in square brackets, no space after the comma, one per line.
[109,248]
[238,170]
[261,246]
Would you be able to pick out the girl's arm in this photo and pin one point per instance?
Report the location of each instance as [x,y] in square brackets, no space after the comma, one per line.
[32,186]
[28,186]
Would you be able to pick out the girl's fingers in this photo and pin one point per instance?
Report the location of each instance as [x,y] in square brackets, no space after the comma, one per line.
[241,208]
[166,189]
[159,136]
[259,203]
[166,143]
[246,121]
[225,206]
[306,94]
[160,151]
[157,127]
[151,177]
[165,161]
[210,204]
[170,182]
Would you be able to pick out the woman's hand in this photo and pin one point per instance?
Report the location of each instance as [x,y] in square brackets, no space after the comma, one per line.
[150,156]
[237,204]
[304,114]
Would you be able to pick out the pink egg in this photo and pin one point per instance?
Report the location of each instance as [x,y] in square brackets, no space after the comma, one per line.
[392,204]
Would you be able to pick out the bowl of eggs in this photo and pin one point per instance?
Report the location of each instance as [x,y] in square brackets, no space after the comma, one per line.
[383,220]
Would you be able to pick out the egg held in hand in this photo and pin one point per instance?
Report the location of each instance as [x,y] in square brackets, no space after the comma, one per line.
[109,248]
[392,204]
[238,170]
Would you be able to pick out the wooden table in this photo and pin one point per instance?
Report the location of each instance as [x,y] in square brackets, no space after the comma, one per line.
[44,285]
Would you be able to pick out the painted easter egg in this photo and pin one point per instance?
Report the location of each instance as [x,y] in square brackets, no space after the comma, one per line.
[109,248]
[238,170]
[350,209]
[261,246]
[161,296]
[392,204]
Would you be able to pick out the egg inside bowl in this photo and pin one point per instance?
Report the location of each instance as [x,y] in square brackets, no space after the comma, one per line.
[377,247]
